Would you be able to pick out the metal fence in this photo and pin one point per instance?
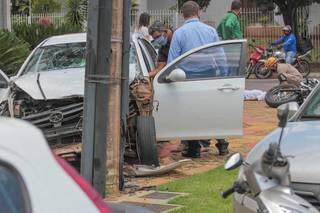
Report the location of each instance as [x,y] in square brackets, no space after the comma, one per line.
[264,27]
[54,18]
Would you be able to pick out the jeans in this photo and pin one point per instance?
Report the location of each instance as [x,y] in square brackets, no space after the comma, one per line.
[290,56]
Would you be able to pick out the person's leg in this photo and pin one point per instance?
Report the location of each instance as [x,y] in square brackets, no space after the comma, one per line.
[193,150]
[222,146]
[290,56]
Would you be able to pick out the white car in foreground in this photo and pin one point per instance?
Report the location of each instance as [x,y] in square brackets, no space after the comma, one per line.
[33,179]
[197,96]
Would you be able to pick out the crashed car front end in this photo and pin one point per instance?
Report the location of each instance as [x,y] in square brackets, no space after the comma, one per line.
[59,119]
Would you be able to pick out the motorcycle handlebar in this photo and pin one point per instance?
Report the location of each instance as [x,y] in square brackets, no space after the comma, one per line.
[228,192]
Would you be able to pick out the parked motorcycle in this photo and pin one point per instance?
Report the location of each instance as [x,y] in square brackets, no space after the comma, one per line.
[300,62]
[285,93]
[255,56]
[268,180]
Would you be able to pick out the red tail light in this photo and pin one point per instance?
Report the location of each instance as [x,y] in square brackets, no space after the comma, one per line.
[84,185]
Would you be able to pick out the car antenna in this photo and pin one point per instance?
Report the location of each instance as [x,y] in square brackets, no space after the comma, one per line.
[40,88]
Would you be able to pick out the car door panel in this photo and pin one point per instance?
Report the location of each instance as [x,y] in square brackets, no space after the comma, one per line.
[208,104]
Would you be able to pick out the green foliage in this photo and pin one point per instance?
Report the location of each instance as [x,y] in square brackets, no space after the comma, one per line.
[202,3]
[45,6]
[13,52]
[204,190]
[77,10]
[36,33]
[38,6]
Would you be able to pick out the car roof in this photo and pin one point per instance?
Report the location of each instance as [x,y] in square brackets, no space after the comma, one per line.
[64,39]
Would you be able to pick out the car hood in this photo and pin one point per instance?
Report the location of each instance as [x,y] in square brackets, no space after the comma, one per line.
[57,84]
[301,143]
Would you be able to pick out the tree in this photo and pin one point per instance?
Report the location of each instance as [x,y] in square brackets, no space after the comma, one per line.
[77,12]
[288,9]
[38,6]
[13,52]
[202,3]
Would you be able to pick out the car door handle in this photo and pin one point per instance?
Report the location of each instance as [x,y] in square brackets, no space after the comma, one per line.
[228,88]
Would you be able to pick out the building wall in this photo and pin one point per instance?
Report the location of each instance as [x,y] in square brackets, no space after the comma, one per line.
[216,11]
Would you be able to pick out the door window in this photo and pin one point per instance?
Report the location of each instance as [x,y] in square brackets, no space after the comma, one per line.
[13,196]
[149,54]
[213,62]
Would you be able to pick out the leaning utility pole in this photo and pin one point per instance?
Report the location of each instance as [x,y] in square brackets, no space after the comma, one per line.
[5,19]
[98,79]
[114,105]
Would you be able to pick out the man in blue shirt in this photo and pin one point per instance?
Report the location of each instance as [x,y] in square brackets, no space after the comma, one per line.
[191,35]
[289,43]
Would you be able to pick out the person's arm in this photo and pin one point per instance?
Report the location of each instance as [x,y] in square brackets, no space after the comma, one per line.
[290,41]
[237,34]
[175,48]
[155,71]
[279,41]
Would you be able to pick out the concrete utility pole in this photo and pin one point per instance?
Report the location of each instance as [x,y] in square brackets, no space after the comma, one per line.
[97,93]
[105,106]
[5,18]
[114,124]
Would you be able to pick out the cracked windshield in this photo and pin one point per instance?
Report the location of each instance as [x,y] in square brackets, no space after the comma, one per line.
[58,57]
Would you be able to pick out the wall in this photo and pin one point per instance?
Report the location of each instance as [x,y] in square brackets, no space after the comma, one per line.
[216,11]
[5,14]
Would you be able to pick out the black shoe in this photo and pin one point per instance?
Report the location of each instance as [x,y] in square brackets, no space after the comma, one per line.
[191,155]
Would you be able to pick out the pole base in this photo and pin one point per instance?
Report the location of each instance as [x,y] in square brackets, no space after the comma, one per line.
[222,146]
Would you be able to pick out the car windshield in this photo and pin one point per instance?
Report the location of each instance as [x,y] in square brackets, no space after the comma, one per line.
[313,108]
[57,57]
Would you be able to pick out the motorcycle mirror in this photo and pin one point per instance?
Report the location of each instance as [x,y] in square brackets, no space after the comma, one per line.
[283,116]
[233,162]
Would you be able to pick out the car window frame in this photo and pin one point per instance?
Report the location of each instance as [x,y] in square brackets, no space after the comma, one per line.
[147,57]
[243,58]
[22,185]
[298,116]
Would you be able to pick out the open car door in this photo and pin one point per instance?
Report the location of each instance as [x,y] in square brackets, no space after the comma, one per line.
[200,94]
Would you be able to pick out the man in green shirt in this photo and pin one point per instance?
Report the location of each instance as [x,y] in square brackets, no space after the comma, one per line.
[229,27]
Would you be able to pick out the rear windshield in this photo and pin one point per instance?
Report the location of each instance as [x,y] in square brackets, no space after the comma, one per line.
[57,57]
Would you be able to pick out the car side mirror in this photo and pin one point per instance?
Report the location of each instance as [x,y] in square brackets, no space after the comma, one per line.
[233,162]
[4,80]
[292,108]
[176,75]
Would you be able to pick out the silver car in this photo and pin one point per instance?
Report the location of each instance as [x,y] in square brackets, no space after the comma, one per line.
[301,143]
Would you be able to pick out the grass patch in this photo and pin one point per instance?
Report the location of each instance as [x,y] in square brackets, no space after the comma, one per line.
[204,190]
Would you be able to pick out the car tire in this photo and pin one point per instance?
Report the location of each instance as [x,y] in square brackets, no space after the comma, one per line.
[146,141]
[273,102]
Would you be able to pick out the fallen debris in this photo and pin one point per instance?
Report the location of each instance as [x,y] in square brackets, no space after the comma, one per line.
[144,170]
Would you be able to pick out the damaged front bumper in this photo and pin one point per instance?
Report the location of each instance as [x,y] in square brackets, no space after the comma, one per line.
[59,124]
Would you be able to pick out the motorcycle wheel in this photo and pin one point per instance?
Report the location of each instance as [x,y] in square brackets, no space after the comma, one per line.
[276,96]
[304,67]
[248,71]
[261,72]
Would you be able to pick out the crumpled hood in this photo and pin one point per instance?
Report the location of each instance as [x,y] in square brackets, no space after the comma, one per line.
[56,84]
[301,142]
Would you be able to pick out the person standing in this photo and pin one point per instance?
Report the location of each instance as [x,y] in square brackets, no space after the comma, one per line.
[144,22]
[162,36]
[289,43]
[191,35]
[229,28]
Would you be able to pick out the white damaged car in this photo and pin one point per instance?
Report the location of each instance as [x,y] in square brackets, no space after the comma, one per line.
[197,96]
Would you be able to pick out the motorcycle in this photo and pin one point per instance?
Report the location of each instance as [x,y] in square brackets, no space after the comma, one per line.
[268,180]
[285,93]
[300,62]
[255,57]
